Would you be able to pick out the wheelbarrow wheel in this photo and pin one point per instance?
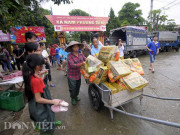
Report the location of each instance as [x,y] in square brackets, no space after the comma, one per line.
[95,98]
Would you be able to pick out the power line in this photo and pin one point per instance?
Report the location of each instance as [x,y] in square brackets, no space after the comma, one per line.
[168,4]
[174,5]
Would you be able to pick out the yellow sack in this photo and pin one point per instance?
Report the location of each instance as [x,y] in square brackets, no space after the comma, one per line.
[102,75]
[135,81]
[108,53]
[117,86]
[129,62]
[118,68]
[92,64]
[138,66]
[121,84]
[113,89]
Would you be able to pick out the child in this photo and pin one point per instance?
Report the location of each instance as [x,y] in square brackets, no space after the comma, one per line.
[63,57]
[34,48]
[153,48]
[75,61]
[47,63]
[57,56]
[39,99]
[121,49]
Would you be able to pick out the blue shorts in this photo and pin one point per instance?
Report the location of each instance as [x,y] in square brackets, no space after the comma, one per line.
[58,60]
[152,58]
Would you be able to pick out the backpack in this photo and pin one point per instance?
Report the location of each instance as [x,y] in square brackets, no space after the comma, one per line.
[3,56]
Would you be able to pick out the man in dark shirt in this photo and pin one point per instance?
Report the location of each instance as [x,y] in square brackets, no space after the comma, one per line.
[18,53]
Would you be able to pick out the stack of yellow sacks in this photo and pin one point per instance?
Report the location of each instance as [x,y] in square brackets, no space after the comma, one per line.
[116,74]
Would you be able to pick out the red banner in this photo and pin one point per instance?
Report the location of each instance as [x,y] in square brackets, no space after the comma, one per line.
[77,20]
[18,33]
[79,28]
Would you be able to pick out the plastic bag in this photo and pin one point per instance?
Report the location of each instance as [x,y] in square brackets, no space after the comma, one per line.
[135,81]
[108,53]
[121,84]
[116,55]
[129,62]
[111,76]
[118,68]
[93,77]
[84,73]
[113,89]
[92,64]
[138,66]
[102,75]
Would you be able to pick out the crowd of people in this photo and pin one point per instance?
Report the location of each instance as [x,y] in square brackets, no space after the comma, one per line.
[36,60]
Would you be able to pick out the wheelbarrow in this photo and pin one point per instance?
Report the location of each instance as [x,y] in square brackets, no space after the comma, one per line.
[100,95]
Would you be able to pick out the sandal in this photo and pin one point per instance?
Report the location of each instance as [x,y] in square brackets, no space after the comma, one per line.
[63,103]
[52,85]
[153,71]
[58,108]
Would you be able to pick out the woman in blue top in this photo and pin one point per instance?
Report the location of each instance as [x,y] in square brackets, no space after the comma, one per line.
[153,48]
[63,56]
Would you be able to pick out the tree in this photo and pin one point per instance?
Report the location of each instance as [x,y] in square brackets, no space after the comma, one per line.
[112,23]
[79,36]
[10,10]
[130,14]
[78,12]
[159,21]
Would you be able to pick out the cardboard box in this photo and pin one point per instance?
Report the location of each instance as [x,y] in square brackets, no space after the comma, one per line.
[118,68]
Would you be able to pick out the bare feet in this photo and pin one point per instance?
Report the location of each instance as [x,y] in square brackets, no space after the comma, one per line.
[59,68]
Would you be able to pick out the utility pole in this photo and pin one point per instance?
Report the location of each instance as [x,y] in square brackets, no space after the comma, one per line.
[151,21]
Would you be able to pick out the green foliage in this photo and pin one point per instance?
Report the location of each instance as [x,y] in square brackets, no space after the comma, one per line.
[160,22]
[13,12]
[130,14]
[73,37]
[79,36]
[112,23]
[78,12]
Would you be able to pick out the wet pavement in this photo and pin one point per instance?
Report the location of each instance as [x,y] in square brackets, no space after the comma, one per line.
[83,120]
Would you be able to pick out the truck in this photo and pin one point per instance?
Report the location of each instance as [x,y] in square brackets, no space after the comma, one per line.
[134,39]
[168,40]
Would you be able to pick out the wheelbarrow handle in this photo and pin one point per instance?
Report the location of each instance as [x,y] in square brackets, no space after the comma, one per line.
[162,98]
[172,124]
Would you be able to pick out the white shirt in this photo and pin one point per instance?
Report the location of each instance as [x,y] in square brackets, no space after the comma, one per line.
[121,51]
[45,54]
